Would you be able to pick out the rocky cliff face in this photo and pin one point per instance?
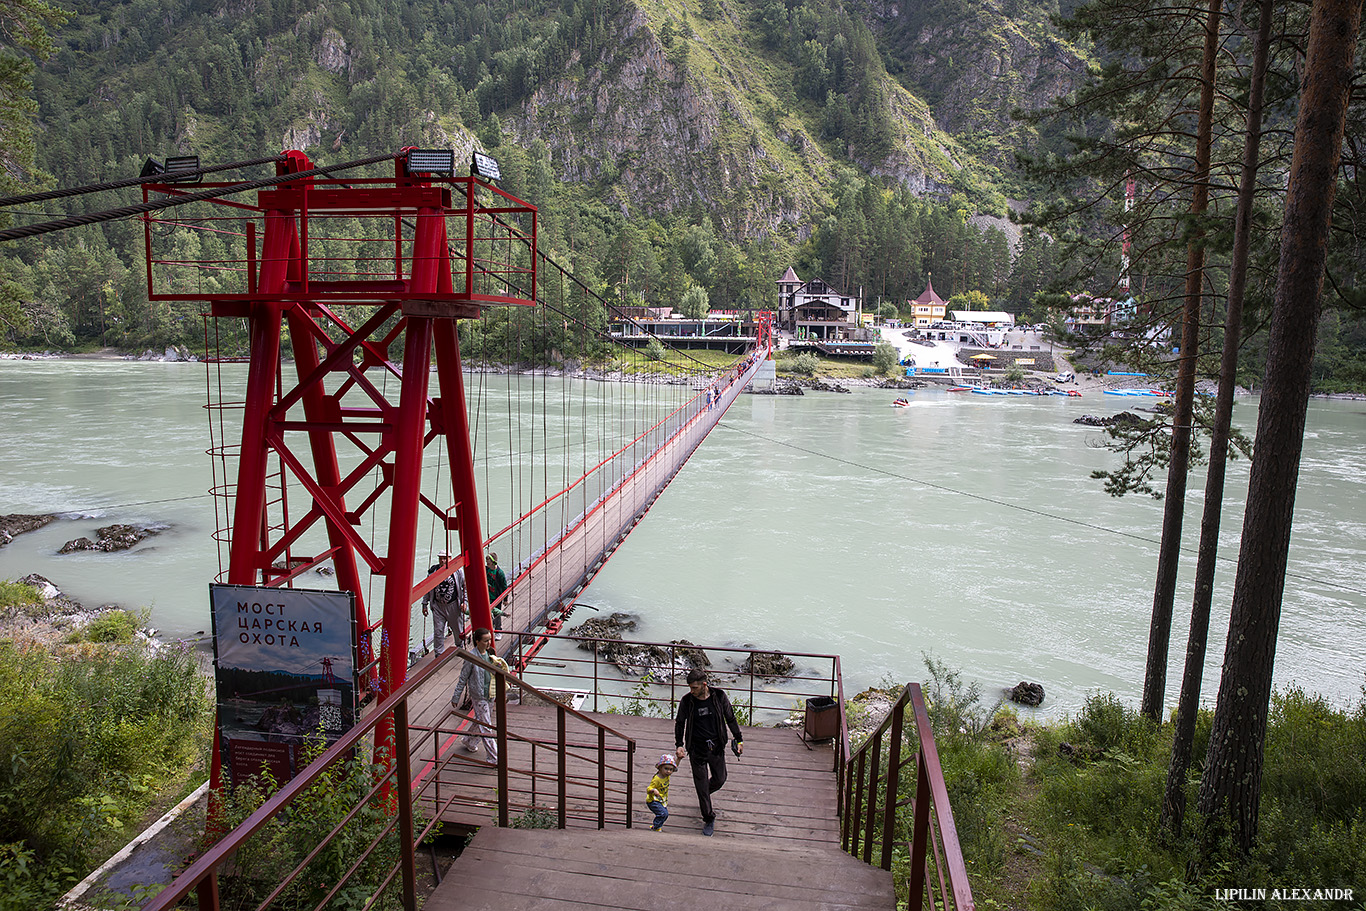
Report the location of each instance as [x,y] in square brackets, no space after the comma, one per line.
[636,118]
[677,126]
[976,61]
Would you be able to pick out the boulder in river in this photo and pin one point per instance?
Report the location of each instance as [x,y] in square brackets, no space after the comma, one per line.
[784,387]
[636,659]
[768,664]
[1123,419]
[1030,694]
[15,524]
[111,538]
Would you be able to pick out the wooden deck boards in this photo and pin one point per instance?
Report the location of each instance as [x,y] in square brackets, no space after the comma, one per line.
[776,844]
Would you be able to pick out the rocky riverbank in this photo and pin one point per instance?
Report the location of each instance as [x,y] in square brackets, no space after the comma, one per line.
[52,619]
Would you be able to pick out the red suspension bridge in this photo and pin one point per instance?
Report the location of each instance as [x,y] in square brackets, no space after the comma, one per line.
[401,333]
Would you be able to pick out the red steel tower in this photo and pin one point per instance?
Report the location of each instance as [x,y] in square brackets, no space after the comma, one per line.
[360,282]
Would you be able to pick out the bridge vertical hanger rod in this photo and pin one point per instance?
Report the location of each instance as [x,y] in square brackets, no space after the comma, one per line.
[281,243]
[455,421]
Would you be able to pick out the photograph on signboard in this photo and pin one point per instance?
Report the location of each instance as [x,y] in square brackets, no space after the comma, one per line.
[285,672]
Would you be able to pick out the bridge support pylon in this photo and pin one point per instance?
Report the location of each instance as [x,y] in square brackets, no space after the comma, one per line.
[353,281]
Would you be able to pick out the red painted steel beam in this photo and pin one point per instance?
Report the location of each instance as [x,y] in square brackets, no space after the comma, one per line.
[455,419]
[402,552]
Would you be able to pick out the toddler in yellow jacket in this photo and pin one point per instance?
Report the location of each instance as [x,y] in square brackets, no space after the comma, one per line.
[657,794]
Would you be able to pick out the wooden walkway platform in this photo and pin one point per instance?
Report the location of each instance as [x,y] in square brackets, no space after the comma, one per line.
[776,844]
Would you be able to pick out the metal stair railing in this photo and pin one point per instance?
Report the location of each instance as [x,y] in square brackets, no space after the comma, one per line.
[869,798]
[391,790]
[611,778]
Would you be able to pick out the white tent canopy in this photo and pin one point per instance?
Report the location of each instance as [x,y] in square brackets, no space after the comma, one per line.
[983,316]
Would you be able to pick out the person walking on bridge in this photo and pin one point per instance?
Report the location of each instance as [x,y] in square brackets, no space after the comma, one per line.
[447,604]
[498,583]
[704,714]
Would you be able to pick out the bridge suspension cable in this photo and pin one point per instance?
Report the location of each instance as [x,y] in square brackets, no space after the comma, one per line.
[90,218]
[181,174]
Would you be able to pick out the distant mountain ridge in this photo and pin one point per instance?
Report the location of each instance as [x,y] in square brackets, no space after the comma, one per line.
[743,110]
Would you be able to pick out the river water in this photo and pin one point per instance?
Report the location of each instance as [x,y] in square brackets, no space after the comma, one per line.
[964,527]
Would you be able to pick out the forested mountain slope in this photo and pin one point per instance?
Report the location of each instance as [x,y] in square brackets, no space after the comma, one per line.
[742,107]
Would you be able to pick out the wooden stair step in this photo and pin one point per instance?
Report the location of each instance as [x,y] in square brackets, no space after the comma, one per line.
[512,869]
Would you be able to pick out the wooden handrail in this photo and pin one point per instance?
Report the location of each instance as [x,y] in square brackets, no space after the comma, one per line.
[201,877]
[206,866]
[864,789]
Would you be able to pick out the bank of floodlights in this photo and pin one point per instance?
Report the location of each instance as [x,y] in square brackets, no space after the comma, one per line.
[177,169]
[484,166]
[430,161]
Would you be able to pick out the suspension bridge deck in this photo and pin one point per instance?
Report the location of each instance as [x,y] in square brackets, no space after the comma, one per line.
[777,834]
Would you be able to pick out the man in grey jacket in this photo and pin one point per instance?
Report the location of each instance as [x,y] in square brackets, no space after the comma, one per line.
[447,603]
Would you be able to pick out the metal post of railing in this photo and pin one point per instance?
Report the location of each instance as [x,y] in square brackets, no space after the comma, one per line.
[893,781]
[841,780]
[919,831]
[563,770]
[869,817]
[855,832]
[673,685]
[602,778]
[673,663]
[751,686]
[533,773]
[436,756]
[500,696]
[595,675]
[207,892]
[631,781]
[404,768]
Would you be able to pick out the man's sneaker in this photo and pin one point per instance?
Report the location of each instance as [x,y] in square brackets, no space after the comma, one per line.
[708,827]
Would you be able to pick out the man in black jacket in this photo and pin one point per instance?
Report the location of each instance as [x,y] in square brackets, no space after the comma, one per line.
[703,716]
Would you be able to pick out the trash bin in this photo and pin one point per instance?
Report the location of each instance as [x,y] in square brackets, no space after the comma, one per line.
[822,718]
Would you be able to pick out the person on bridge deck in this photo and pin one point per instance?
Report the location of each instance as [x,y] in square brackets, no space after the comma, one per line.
[704,714]
[479,684]
[498,583]
[657,794]
[447,603]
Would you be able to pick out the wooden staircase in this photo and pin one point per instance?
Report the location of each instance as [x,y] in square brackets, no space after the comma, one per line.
[776,844]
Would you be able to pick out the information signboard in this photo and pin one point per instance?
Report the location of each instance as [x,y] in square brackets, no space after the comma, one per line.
[285,663]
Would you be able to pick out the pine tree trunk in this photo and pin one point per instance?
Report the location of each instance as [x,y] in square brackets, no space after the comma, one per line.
[1230,789]
[1174,801]
[1169,554]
